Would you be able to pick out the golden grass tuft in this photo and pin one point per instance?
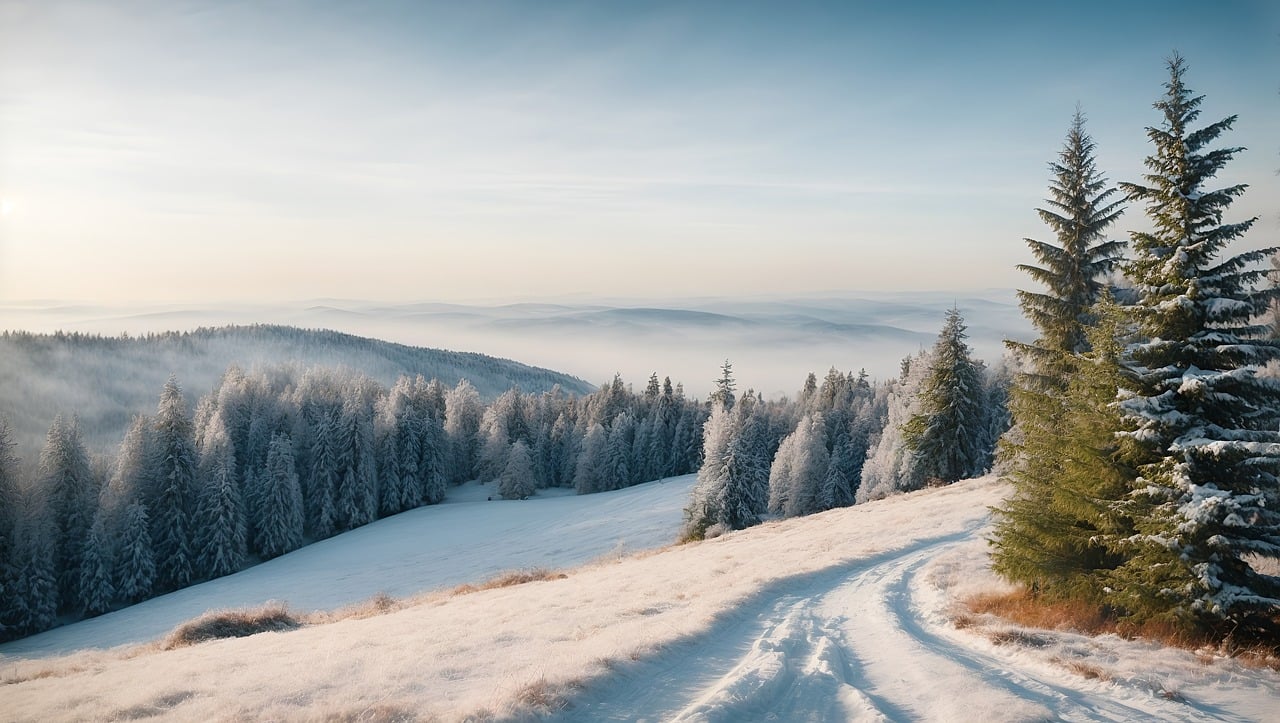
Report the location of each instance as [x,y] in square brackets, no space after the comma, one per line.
[508,579]
[218,624]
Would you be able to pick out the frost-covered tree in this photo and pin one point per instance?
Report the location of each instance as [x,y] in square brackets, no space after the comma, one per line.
[463,413]
[33,587]
[173,502]
[618,461]
[711,502]
[96,589]
[221,538]
[280,530]
[67,479]
[891,465]
[799,469]
[588,477]
[948,432]
[322,484]
[1207,496]
[355,497]
[723,392]
[10,519]
[516,480]
[135,572]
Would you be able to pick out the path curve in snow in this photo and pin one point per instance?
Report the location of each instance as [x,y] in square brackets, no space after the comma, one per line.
[863,641]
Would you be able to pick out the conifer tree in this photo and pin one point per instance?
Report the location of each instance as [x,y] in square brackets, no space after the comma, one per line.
[280,530]
[221,537]
[947,433]
[1059,534]
[516,480]
[172,505]
[68,481]
[10,497]
[96,588]
[723,392]
[1207,497]
[135,559]
[321,486]
[799,468]
[588,477]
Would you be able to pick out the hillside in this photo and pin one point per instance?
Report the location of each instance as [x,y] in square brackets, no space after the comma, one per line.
[826,617]
[106,380]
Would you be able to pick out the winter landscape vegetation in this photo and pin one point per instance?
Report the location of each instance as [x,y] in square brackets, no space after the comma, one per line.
[483,471]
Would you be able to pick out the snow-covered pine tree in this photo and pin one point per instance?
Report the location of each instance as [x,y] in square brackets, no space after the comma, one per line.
[947,433]
[706,504]
[892,467]
[135,558]
[463,413]
[280,530]
[320,488]
[34,585]
[355,497]
[1207,497]
[220,524]
[172,505]
[10,490]
[588,477]
[723,392]
[96,589]
[747,495]
[799,468]
[67,480]
[618,460]
[516,480]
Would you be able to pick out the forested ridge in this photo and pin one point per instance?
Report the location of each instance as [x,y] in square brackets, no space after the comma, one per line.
[108,379]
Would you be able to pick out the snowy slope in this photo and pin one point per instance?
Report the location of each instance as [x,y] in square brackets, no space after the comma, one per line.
[842,615]
[466,539]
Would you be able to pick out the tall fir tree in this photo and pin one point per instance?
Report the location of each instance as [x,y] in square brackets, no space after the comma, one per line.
[1035,536]
[135,558]
[173,502]
[280,530]
[97,590]
[516,480]
[220,524]
[1207,453]
[65,476]
[947,434]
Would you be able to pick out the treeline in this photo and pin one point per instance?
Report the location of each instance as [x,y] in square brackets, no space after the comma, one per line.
[107,379]
[1145,460]
[272,460]
[847,440]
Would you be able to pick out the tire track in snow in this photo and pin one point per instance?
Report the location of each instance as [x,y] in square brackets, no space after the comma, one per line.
[848,643]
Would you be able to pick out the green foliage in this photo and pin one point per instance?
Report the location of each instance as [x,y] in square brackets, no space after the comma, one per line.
[948,434]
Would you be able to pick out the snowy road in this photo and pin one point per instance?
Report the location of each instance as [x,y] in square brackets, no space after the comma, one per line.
[867,641]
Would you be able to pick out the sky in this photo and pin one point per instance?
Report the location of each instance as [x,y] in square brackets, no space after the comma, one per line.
[190,151]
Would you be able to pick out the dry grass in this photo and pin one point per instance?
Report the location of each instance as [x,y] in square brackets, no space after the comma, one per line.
[379,604]
[272,617]
[1021,607]
[507,579]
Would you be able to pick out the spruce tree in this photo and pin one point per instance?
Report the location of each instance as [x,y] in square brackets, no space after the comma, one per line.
[588,477]
[1207,497]
[947,433]
[516,480]
[96,588]
[173,503]
[280,530]
[1035,541]
[221,537]
[135,558]
[10,497]
[68,481]
[723,392]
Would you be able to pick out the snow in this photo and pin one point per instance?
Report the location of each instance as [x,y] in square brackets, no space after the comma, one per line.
[845,615]
[465,539]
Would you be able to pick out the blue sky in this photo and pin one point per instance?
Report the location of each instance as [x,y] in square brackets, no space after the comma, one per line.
[215,151]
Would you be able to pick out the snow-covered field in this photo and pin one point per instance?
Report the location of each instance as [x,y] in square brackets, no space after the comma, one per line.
[843,615]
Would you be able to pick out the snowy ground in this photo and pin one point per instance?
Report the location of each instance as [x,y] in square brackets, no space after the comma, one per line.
[843,615]
[466,539]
